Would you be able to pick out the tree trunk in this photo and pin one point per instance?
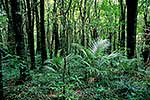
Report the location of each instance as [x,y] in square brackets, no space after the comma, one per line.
[11,34]
[17,26]
[114,42]
[146,52]
[83,18]
[55,29]
[19,38]
[63,34]
[131,27]
[38,49]
[43,43]
[63,29]
[110,40]
[30,28]
[1,78]
[95,33]
[119,33]
[122,22]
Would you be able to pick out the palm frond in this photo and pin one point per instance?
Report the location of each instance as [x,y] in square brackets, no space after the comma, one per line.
[99,45]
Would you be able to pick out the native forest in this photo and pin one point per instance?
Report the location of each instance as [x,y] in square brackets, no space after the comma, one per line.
[75,49]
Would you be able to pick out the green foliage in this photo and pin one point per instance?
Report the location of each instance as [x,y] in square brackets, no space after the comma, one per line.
[109,77]
[10,67]
[55,64]
[90,72]
[3,30]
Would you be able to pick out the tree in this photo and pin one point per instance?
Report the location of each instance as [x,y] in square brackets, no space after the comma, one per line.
[63,33]
[17,26]
[30,27]
[42,27]
[131,27]
[38,49]
[1,76]
[122,22]
[10,33]
[146,52]
[19,36]
[94,30]
[83,19]
[55,30]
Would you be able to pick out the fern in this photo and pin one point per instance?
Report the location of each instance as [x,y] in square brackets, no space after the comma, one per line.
[54,64]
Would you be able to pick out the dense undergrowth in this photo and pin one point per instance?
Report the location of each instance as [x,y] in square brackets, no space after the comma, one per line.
[91,74]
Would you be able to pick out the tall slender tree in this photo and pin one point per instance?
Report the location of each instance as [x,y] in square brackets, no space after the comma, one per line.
[131,27]
[10,34]
[30,27]
[94,34]
[146,52]
[110,40]
[17,26]
[63,33]
[63,28]
[1,77]
[83,19]
[37,18]
[42,27]
[55,29]
[122,22]
[19,35]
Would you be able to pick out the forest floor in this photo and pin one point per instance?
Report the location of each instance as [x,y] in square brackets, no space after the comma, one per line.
[113,84]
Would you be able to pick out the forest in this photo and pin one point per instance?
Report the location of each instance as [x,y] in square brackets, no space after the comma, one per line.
[75,49]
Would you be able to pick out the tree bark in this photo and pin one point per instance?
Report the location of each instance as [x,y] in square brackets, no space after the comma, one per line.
[17,26]
[131,27]
[55,29]
[19,36]
[38,49]
[42,27]
[1,77]
[30,28]
[83,18]
[122,22]
[11,34]
[146,52]
[63,29]
[63,34]
[110,40]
